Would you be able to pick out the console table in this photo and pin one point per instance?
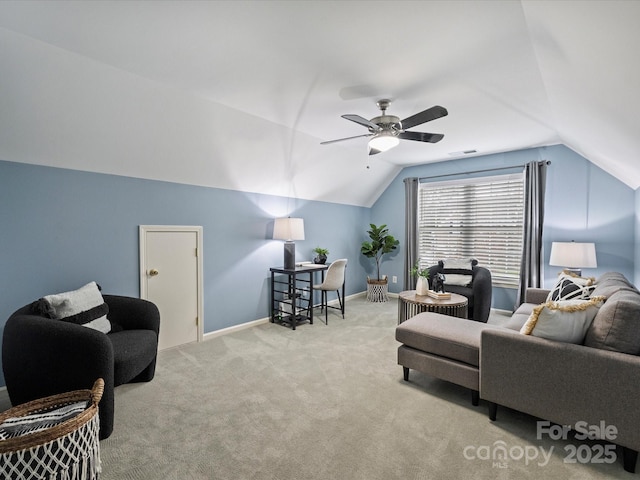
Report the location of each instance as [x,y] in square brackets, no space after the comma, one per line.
[291,298]
[410,304]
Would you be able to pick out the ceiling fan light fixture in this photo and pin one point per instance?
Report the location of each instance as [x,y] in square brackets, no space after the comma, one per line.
[383,141]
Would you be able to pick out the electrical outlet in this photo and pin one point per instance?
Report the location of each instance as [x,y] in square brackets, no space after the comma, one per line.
[394,279]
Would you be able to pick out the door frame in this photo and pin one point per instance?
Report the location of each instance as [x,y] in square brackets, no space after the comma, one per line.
[143,229]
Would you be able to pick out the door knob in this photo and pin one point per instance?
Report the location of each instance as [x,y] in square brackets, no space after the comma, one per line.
[153,272]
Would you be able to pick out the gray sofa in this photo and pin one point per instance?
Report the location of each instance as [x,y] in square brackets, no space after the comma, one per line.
[559,382]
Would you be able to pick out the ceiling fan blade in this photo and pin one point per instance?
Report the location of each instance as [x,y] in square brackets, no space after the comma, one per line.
[361,121]
[346,138]
[424,116]
[421,137]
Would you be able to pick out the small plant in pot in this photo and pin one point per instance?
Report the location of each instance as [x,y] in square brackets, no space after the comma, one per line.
[422,278]
[321,255]
[381,243]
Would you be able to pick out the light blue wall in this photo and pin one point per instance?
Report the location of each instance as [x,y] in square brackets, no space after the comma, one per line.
[582,203]
[62,228]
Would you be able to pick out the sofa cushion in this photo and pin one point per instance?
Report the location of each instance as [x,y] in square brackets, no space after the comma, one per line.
[442,335]
[519,317]
[563,321]
[610,283]
[616,327]
[133,351]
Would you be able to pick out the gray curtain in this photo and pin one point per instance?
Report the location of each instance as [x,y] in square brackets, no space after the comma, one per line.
[535,174]
[410,230]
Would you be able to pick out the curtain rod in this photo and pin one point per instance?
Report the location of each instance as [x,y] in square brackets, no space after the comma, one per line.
[548,162]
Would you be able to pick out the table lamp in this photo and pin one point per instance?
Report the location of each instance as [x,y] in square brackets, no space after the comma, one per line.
[573,256]
[289,229]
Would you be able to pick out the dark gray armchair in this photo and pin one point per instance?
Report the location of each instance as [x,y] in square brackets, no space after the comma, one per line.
[479,292]
[42,357]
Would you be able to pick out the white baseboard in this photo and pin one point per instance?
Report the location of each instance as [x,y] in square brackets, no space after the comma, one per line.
[260,321]
[234,328]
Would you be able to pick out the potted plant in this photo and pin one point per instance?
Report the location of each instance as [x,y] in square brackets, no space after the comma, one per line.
[321,255]
[381,243]
[422,278]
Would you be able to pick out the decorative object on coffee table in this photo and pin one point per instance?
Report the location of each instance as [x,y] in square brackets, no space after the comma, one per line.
[422,280]
[381,243]
[438,283]
[439,295]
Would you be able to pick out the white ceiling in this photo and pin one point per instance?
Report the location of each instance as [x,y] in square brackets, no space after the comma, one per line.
[512,74]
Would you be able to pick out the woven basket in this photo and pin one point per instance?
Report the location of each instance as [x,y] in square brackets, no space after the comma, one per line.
[377,290]
[67,451]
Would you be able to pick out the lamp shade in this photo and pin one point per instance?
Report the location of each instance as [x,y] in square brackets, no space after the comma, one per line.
[288,229]
[573,255]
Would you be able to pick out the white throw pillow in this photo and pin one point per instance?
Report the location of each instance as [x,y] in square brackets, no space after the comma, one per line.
[84,306]
[457,279]
[564,321]
[457,263]
[457,271]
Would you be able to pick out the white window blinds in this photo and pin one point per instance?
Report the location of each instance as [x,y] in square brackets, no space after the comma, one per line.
[479,218]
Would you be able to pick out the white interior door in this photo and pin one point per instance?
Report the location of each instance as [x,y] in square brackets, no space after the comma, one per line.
[171,278]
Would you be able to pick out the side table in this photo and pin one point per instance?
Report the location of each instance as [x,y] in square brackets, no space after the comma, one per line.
[410,304]
[291,297]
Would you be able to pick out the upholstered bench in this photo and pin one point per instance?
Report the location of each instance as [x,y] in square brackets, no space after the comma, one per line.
[444,347]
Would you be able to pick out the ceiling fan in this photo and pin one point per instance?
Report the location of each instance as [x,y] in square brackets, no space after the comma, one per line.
[386,131]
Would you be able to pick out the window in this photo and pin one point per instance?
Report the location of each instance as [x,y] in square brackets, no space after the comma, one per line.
[479,218]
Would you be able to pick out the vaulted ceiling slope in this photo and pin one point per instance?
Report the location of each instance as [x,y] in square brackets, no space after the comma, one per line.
[249,89]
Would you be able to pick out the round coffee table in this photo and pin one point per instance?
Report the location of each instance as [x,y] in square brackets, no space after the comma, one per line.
[410,304]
